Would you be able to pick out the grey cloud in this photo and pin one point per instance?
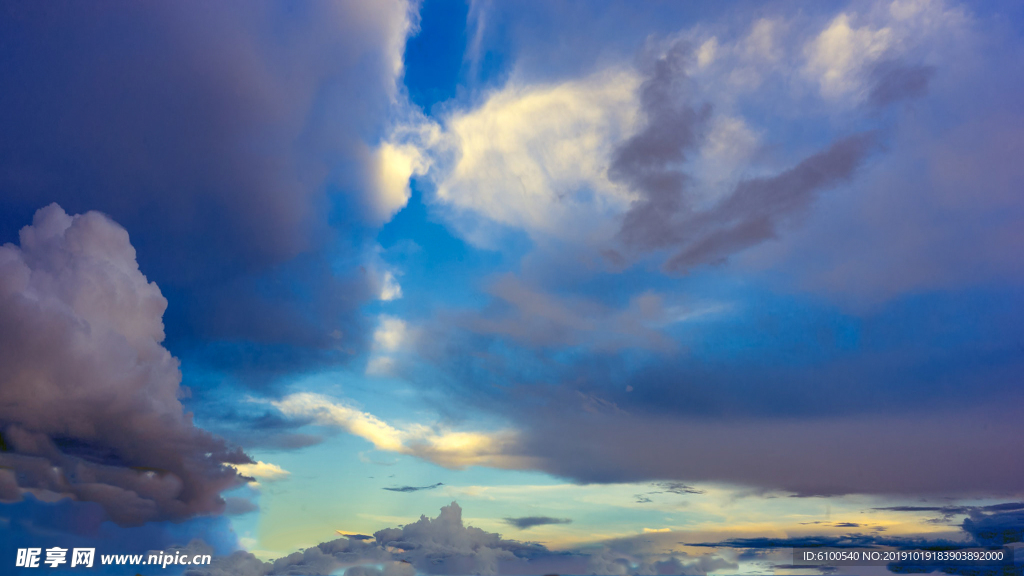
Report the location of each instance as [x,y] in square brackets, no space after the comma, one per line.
[664,217]
[223,136]
[390,569]
[649,161]
[755,208]
[240,563]
[535,317]
[991,525]
[412,488]
[90,398]
[845,541]
[667,488]
[678,488]
[856,454]
[444,545]
[530,521]
[995,528]
[893,81]
[996,525]
[235,505]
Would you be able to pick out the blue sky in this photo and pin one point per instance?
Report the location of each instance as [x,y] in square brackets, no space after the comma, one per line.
[448,287]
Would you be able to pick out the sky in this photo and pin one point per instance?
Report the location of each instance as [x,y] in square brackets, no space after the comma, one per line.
[445,287]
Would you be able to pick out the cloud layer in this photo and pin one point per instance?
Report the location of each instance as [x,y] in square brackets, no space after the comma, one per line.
[445,545]
[90,403]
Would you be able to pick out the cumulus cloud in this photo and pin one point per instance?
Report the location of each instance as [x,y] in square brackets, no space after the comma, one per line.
[448,448]
[445,545]
[534,157]
[91,404]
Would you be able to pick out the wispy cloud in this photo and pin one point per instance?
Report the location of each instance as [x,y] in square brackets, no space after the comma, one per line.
[438,444]
[530,521]
[412,488]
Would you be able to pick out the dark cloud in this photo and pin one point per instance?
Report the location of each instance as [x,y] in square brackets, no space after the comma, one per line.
[250,425]
[678,488]
[839,455]
[991,525]
[90,398]
[996,525]
[649,161]
[893,81]
[995,528]
[845,541]
[755,208]
[665,216]
[530,521]
[667,488]
[948,512]
[236,506]
[412,488]
[231,140]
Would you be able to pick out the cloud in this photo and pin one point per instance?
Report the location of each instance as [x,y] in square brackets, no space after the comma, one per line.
[895,81]
[991,525]
[525,522]
[391,334]
[529,316]
[446,546]
[390,288]
[860,56]
[220,137]
[396,165]
[756,208]
[262,471]
[412,488]
[448,448]
[91,406]
[772,452]
[666,216]
[533,157]
[649,160]
[835,57]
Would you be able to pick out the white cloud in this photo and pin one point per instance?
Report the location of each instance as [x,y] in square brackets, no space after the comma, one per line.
[535,157]
[262,471]
[442,446]
[391,333]
[395,165]
[707,51]
[838,54]
[391,337]
[390,289]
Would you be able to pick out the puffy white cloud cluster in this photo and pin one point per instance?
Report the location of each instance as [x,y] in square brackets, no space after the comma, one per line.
[89,398]
[444,545]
